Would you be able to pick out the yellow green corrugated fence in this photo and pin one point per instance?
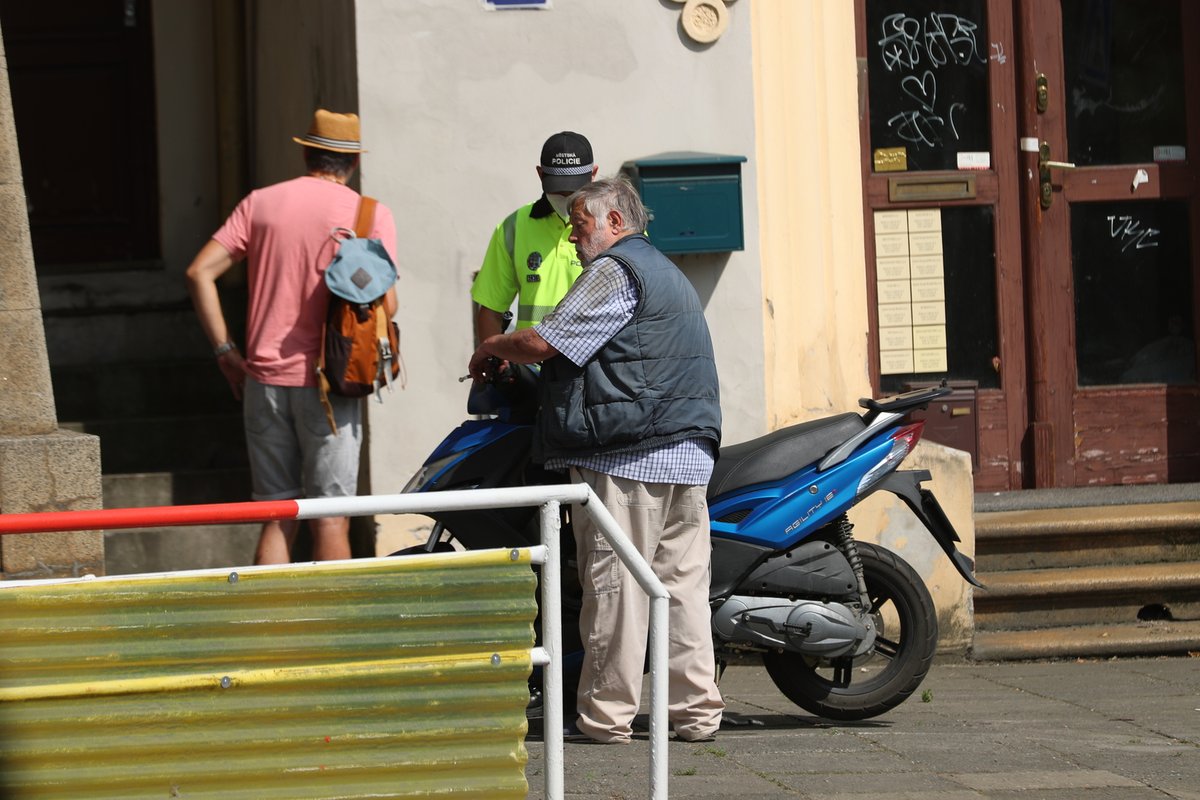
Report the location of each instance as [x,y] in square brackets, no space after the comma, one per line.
[375,678]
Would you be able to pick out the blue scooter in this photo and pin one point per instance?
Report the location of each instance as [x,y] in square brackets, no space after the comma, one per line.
[846,629]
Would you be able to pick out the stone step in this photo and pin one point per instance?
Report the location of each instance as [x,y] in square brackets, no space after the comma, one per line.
[185,547]
[1043,538]
[186,487]
[1030,599]
[175,387]
[1087,497]
[1098,571]
[1087,641]
[160,444]
[156,331]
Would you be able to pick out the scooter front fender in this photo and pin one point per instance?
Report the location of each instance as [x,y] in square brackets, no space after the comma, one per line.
[906,484]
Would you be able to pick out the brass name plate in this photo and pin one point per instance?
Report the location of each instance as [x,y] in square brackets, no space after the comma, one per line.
[918,188]
[890,159]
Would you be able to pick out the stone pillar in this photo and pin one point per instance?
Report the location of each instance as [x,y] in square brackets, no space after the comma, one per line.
[42,468]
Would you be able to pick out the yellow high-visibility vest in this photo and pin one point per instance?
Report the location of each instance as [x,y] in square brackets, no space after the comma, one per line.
[529,255]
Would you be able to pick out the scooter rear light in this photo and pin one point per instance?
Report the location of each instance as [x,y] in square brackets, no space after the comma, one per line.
[910,433]
[903,441]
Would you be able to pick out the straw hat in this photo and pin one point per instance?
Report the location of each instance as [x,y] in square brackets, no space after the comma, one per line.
[332,131]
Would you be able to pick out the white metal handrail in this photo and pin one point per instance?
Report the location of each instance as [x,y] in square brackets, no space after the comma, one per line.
[547,498]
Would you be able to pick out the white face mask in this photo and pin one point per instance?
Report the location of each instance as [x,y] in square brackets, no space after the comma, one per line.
[559,203]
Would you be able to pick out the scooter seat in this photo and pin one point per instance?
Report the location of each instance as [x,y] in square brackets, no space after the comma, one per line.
[779,454]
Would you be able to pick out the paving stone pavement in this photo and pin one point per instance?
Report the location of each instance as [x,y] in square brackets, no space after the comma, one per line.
[1121,729]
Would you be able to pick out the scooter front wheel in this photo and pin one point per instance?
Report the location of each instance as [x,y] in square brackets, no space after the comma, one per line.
[880,680]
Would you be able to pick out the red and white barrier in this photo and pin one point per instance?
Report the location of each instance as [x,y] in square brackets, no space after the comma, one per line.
[267,510]
[151,517]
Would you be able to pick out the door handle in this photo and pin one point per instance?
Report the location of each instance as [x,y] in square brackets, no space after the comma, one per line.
[1044,167]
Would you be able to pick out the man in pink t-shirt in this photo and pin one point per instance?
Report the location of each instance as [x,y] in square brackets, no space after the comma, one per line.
[284,233]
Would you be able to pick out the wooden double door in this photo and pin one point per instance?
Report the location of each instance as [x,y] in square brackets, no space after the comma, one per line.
[1031,173]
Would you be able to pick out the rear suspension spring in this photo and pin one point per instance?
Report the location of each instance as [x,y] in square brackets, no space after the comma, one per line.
[849,548]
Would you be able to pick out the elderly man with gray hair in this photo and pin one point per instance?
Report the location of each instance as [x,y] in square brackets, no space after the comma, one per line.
[630,405]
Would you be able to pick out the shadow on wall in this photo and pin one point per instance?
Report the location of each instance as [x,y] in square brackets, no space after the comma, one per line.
[704,270]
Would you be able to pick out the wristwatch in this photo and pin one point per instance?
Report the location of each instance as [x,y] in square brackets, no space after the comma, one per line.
[223,348]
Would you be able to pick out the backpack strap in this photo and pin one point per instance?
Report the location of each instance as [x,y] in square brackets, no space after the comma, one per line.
[323,379]
[384,374]
[366,217]
[364,222]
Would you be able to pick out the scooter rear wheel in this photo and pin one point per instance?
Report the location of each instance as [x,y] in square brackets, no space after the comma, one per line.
[881,679]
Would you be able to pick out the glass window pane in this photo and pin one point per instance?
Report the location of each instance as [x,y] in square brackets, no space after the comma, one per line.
[927,77]
[968,257]
[1133,293]
[1124,81]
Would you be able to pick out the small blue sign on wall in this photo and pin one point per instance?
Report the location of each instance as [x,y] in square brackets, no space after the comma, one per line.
[504,5]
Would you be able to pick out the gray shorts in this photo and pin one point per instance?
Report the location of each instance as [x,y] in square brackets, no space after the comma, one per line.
[292,451]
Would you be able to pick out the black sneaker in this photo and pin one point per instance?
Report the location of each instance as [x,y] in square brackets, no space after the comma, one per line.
[535,708]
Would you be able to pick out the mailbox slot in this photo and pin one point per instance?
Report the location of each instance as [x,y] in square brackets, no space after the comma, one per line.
[952,420]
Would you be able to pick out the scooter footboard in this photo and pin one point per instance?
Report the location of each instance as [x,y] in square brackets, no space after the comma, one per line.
[906,484]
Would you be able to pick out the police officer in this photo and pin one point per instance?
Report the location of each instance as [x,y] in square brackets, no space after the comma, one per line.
[530,254]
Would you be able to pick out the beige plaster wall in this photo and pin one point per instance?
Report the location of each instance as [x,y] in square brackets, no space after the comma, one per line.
[814,272]
[810,208]
[456,103]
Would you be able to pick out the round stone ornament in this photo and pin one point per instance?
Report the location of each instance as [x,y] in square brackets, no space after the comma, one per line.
[704,20]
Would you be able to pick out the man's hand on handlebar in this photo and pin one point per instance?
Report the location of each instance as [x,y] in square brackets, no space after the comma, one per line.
[491,358]
[486,368]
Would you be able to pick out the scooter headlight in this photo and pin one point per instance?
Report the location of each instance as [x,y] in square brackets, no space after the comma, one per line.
[420,482]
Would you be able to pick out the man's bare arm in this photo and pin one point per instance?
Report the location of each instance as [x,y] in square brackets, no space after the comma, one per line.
[210,263]
[488,323]
[390,303]
[525,346]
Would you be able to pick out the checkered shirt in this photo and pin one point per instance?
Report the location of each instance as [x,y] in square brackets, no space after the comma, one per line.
[601,302]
